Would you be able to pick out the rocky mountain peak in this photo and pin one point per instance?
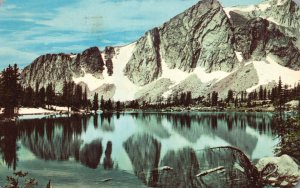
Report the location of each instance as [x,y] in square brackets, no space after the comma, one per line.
[199,37]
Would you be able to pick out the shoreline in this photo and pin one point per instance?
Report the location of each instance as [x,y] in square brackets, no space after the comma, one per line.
[56,110]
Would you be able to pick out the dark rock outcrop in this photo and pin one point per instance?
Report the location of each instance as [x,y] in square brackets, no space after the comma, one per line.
[258,37]
[55,68]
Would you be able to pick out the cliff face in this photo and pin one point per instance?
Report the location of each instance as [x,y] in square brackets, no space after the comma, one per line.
[258,37]
[200,36]
[55,68]
[145,63]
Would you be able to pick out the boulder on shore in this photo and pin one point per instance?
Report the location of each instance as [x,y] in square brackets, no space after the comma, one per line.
[281,171]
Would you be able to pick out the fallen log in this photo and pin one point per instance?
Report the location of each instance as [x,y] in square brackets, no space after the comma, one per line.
[210,171]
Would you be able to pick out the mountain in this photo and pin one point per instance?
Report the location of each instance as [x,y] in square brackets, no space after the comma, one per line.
[206,48]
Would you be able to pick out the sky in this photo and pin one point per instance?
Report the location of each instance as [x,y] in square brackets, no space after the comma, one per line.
[32,28]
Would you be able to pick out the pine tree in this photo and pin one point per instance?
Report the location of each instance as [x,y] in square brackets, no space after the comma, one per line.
[229,96]
[242,96]
[42,96]
[11,90]
[28,97]
[188,99]
[78,96]
[182,98]
[265,95]
[280,95]
[176,99]
[214,99]
[95,103]
[118,106]
[102,104]
[109,106]
[85,99]
[50,95]
[260,93]
[285,96]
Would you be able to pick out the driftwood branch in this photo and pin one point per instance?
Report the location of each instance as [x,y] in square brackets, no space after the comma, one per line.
[210,171]
[250,170]
[106,180]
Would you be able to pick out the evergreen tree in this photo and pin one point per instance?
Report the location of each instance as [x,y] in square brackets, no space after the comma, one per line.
[176,99]
[10,88]
[118,106]
[242,96]
[260,93]
[182,98]
[65,95]
[188,99]
[28,97]
[85,99]
[78,96]
[169,100]
[229,96]
[102,104]
[95,103]
[41,97]
[265,95]
[50,95]
[269,95]
[255,96]
[214,99]
[285,96]
[280,95]
[109,106]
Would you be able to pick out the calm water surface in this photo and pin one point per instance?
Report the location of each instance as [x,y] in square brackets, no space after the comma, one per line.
[130,148]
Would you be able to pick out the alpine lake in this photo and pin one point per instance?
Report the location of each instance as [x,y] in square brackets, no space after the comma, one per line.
[135,149]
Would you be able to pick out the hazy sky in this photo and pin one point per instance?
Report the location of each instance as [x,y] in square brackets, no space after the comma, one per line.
[34,27]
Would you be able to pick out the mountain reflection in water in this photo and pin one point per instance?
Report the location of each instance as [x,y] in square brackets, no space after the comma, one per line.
[138,144]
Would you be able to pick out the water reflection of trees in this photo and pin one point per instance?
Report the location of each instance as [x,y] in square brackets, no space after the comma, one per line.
[108,162]
[52,139]
[8,144]
[107,123]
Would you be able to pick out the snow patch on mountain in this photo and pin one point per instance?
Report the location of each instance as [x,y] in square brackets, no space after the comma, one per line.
[239,56]
[177,76]
[249,8]
[125,89]
[269,71]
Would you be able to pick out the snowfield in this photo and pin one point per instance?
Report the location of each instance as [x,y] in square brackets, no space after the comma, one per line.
[177,76]
[269,71]
[39,111]
[260,7]
[30,111]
